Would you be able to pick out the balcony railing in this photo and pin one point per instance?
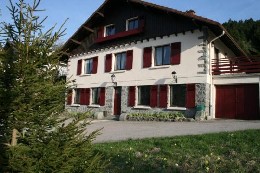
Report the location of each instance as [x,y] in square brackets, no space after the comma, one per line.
[236,65]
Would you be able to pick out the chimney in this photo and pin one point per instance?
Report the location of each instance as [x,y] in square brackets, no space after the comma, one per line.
[191,12]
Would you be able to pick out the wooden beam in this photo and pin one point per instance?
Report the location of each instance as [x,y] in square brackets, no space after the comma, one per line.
[88,29]
[65,53]
[75,41]
[101,14]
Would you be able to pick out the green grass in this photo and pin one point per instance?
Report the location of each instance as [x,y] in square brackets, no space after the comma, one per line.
[222,152]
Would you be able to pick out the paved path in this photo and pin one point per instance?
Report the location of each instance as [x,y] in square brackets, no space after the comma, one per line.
[123,130]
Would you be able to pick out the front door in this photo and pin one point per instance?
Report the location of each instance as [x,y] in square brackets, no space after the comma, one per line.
[117,101]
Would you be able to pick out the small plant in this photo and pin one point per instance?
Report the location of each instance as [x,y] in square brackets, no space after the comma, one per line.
[156,116]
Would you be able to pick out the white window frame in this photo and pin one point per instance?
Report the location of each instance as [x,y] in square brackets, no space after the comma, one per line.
[84,66]
[115,61]
[169,107]
[105,30]
[154,55]
[75,95]
[127,23]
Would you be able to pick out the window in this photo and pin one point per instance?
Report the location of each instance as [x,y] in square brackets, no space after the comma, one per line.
[98,96]
[110,30]
[95,95]
[162,55]
[132,24]
[77,96]
[88,66]
[144,95]
[120,61]
[178,95]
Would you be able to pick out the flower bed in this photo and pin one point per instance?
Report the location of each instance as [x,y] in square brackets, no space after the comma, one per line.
[158,116]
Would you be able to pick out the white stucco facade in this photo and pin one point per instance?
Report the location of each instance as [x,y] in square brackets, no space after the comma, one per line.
[188,71]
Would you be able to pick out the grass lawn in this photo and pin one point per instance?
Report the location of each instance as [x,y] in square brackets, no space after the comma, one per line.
[221,152]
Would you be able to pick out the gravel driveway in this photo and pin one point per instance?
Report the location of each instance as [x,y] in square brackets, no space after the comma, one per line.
[123,130]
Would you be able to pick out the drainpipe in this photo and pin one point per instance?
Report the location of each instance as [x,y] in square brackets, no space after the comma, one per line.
[210,73]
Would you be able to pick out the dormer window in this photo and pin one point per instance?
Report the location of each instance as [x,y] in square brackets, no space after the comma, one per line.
[132,23]
[110,30]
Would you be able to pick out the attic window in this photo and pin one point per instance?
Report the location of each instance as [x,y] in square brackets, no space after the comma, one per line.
[110,30]
[132,23]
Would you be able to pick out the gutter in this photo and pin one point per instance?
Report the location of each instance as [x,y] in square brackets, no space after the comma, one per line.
[210,73]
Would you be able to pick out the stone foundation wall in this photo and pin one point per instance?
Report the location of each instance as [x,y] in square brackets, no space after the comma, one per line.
[201,98]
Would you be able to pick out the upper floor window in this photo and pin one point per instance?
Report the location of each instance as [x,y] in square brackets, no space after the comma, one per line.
[110,30]
[132,23]
[144,95]
[120,61]
[162,55]
[88,66]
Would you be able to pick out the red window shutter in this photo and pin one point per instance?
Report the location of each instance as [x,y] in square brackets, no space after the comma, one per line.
[102,96]
[141,22]
[163,96]
[176,53]
[147,57]
[108,65]
[79,68]
[87,95]
[95,65]
[69,97]
[129,60]
[131,96]
[82,96]
[190,96]
[153,96]
[100,32]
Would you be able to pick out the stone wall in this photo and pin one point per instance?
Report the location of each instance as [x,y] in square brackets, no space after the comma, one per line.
[201,98]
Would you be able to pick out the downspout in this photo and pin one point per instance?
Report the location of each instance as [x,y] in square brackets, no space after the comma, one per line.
[210,72]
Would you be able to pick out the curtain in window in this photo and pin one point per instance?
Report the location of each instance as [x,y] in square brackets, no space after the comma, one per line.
[88,66]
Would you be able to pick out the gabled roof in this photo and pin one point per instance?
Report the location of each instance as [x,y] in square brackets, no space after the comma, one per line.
[214,26]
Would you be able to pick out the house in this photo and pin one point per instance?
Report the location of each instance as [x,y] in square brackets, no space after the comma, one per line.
[135,56]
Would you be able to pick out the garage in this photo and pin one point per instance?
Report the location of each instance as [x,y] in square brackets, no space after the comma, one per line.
[237,101]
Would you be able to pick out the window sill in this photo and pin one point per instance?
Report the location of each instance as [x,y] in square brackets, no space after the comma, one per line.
[75,105]
[177,108]
[142,107]
[159,67]
[94,106]
[85,75]
[118,71]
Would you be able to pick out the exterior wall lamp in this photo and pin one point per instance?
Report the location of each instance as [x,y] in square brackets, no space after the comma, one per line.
[174,76]
[113,79]
[74,84]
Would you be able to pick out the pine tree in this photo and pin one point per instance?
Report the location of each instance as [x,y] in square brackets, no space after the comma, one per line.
[32,114]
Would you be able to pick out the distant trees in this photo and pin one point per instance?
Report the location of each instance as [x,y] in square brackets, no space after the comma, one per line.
[246,33]
[33,136]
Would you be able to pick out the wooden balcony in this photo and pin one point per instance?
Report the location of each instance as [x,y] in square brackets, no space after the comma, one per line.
[236,65]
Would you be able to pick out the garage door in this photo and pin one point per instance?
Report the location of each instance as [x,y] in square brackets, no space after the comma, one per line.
[237,101]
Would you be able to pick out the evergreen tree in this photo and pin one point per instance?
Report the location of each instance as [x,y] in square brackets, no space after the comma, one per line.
[32,111]
[246,33]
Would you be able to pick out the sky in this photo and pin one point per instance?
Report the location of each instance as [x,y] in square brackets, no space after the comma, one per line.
[78,11]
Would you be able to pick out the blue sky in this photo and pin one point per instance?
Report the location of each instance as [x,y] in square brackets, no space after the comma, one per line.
[79,10]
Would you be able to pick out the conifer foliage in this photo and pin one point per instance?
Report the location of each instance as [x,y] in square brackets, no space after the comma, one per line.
[33,136]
